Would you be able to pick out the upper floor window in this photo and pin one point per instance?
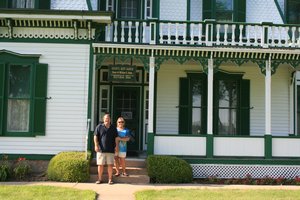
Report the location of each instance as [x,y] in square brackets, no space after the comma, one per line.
[25,4]
[148,9]
[129,9]
[225,10]
[110,5]
[22,3]
[293,14]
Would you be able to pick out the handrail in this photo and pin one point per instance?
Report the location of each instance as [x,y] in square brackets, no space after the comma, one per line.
[204,33]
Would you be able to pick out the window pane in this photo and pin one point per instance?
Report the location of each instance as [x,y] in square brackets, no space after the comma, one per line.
[19,81]
[22,3]
[197,93]
[18,115]
[196,123]
[293,11]
[224,16]
[227,107]
[227,122]
[227,94]
[129,9]
[224,5]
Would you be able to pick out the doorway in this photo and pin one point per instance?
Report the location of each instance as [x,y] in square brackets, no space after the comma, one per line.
[126,103]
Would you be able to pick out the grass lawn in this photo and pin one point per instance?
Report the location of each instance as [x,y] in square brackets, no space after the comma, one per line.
[215,194]
[44,193]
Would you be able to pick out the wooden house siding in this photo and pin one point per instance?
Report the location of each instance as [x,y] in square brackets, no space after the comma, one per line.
[67,109]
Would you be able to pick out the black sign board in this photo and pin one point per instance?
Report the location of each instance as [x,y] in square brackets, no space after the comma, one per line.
[122,73]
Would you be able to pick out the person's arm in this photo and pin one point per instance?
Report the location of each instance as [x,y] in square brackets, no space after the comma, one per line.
[125,139]
[117,144]
[96,143]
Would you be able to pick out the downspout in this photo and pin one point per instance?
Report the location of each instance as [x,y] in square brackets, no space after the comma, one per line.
[279,10]
[89,5]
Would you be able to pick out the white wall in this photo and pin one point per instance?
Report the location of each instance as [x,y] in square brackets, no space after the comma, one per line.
[69,5]
[68,68]
[262,11]
[173,10]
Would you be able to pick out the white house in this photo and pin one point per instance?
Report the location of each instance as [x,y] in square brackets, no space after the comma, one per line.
[214,82]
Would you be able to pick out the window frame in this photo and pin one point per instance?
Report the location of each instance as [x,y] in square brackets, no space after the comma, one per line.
[9,59]
[240,118]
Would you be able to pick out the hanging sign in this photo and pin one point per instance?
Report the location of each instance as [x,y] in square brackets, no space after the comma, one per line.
[122,73]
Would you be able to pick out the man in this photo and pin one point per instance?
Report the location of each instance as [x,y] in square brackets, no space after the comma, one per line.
[105,145]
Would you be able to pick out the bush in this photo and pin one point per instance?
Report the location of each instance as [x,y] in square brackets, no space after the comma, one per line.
[167,169]
[22,168]
[69,167]
[5,168]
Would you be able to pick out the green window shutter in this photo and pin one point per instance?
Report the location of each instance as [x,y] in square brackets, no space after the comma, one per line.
[245,107]
[102,5]
[44,4]
[239,11]
[2,87]
[208,9]
[3,4]
[40,94]
[184,106]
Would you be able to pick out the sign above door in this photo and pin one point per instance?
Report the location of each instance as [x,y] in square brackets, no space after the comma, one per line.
[122,73]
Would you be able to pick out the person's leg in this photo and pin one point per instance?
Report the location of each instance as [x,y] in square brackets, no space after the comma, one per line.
[110,163]
[123,163]
[100,163]
[117,165]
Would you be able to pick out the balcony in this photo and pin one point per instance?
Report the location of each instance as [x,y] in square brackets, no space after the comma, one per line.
[204,33]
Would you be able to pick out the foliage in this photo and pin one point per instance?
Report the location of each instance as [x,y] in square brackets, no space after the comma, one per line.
[5,168]
[249,180]
[22,168]
[8,192]
[167,169]
[69,167]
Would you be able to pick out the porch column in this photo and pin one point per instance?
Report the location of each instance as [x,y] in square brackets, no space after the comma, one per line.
[210,82]
[150,145]
[268,135]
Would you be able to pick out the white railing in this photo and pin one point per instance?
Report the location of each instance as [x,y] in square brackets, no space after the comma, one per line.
[205,33]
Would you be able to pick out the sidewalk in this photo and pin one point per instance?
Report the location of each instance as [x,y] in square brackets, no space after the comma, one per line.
[126,191]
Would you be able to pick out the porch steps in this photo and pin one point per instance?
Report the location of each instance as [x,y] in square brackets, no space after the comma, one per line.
[135,167]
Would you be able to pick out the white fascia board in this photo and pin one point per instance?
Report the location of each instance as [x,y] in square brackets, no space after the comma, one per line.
[95,18]
[186,48]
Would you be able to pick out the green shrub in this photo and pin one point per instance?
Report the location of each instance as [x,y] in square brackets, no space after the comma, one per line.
[22,168]
[69,167]
[167,169]
[5,168]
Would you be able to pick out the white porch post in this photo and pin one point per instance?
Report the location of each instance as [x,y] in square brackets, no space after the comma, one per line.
[150,145]
[210,80]
[151,94]
[268,98]
[268,135]
[210,83]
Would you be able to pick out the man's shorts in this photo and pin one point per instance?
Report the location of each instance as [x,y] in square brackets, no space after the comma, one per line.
[105,158]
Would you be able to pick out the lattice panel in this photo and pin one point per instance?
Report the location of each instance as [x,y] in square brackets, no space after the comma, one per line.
[240,171]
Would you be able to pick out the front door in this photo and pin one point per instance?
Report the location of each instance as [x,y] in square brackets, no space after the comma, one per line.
[126,103]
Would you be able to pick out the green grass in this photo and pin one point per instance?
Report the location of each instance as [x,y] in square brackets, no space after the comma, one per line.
[44,193]
[215,194]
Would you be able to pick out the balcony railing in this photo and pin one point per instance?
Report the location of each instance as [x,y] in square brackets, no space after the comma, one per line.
[204,33]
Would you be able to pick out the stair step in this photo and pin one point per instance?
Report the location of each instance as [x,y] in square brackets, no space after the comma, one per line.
[131,179]
[129,170]
[130,162]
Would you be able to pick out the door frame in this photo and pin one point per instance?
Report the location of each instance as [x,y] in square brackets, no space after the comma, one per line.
[140,115]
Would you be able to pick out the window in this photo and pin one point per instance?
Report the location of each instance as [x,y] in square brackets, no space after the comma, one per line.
[110,5]
[129,9]
[231,104]
[225,10]
[25,4]
[22,4]
[148,9]
[293,14]
[23,93]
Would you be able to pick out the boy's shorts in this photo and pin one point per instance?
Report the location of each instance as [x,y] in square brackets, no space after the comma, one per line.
[105,158]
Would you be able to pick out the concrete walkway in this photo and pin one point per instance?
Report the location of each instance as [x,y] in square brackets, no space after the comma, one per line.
[126,191]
